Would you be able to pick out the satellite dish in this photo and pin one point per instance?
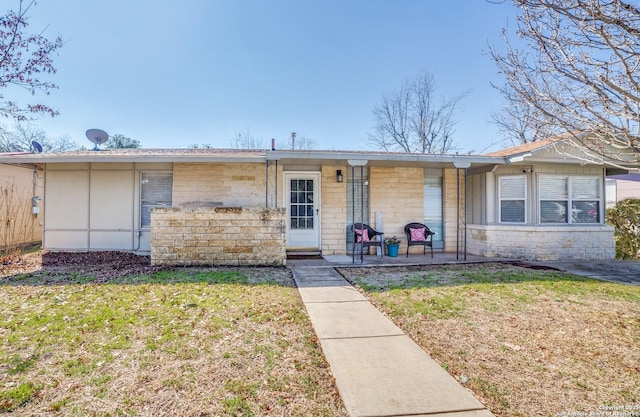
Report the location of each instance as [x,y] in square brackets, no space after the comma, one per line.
[37,148]
[98,137]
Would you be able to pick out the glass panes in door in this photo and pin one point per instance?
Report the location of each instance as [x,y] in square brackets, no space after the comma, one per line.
[301,204]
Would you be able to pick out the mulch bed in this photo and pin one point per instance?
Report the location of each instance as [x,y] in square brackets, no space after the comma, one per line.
[102,266]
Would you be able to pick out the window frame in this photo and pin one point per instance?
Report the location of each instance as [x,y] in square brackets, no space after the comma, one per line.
[525,198]
[433,211]
[571,199]
[142,205]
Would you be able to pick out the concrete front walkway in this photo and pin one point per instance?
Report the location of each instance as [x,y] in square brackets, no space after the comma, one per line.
[378,369]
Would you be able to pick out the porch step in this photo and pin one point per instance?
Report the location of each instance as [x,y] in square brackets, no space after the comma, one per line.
[301,254]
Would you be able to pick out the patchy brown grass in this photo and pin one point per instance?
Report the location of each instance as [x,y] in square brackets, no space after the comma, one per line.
[171,342]
[525,342]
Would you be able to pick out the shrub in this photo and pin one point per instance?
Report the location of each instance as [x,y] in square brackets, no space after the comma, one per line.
[625,217]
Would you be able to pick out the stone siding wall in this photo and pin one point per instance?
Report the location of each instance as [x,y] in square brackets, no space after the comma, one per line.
[334,211]
[218,236]
[542,243]
[218,184]
[399,194]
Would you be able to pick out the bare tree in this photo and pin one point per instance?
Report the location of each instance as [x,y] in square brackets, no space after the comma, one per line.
[306,143]
[20,138]
[522,124]
[201,146]
[301,143]
[578,74]
[24,58]
[411,119]
[247,140]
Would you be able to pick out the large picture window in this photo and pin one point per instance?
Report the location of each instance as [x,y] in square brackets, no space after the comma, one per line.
[569,199]
[513,199]
[155,191]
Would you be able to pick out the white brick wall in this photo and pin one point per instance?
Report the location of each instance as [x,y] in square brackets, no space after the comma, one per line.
[542,243]
[334,211]
[240,185]
[399,194]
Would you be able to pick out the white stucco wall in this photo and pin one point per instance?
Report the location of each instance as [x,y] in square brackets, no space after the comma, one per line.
[95,206]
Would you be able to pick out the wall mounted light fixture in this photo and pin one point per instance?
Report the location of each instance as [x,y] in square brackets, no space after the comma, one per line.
[339,175]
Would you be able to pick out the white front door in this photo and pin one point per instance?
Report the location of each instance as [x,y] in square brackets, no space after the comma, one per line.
[303,210]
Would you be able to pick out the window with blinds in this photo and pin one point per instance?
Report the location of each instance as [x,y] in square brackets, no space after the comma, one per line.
[433,202]
[554,199]
[155,191]
[569,199]
[513,199]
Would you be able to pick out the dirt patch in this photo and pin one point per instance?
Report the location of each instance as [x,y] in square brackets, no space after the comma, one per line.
[101,267]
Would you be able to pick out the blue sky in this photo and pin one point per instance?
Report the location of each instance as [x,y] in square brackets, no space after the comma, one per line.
[173,73]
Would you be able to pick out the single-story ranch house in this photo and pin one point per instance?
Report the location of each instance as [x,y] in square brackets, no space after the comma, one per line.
[539,201]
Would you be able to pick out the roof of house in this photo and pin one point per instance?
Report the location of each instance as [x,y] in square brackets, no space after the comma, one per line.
[516,154]
[527,147]
[140,155]
[243,155]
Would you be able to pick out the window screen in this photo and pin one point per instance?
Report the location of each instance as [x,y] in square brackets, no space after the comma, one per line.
[570,199]
[554,199]
[512,199]
[585,199]
[155,191]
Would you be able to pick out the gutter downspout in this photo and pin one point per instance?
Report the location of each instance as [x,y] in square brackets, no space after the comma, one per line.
[458,214]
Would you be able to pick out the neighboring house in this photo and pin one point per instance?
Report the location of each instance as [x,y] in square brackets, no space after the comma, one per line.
[21,189]
[622,187]
[216,206]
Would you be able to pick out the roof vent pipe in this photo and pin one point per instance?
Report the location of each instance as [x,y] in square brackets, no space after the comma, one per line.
[273,144]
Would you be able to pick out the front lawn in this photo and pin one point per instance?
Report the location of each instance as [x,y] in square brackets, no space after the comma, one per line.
[525,342]
[181,342]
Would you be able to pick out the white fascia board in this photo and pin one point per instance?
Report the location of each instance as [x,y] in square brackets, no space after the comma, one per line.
[409,157]
[562,160]
[32,159]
